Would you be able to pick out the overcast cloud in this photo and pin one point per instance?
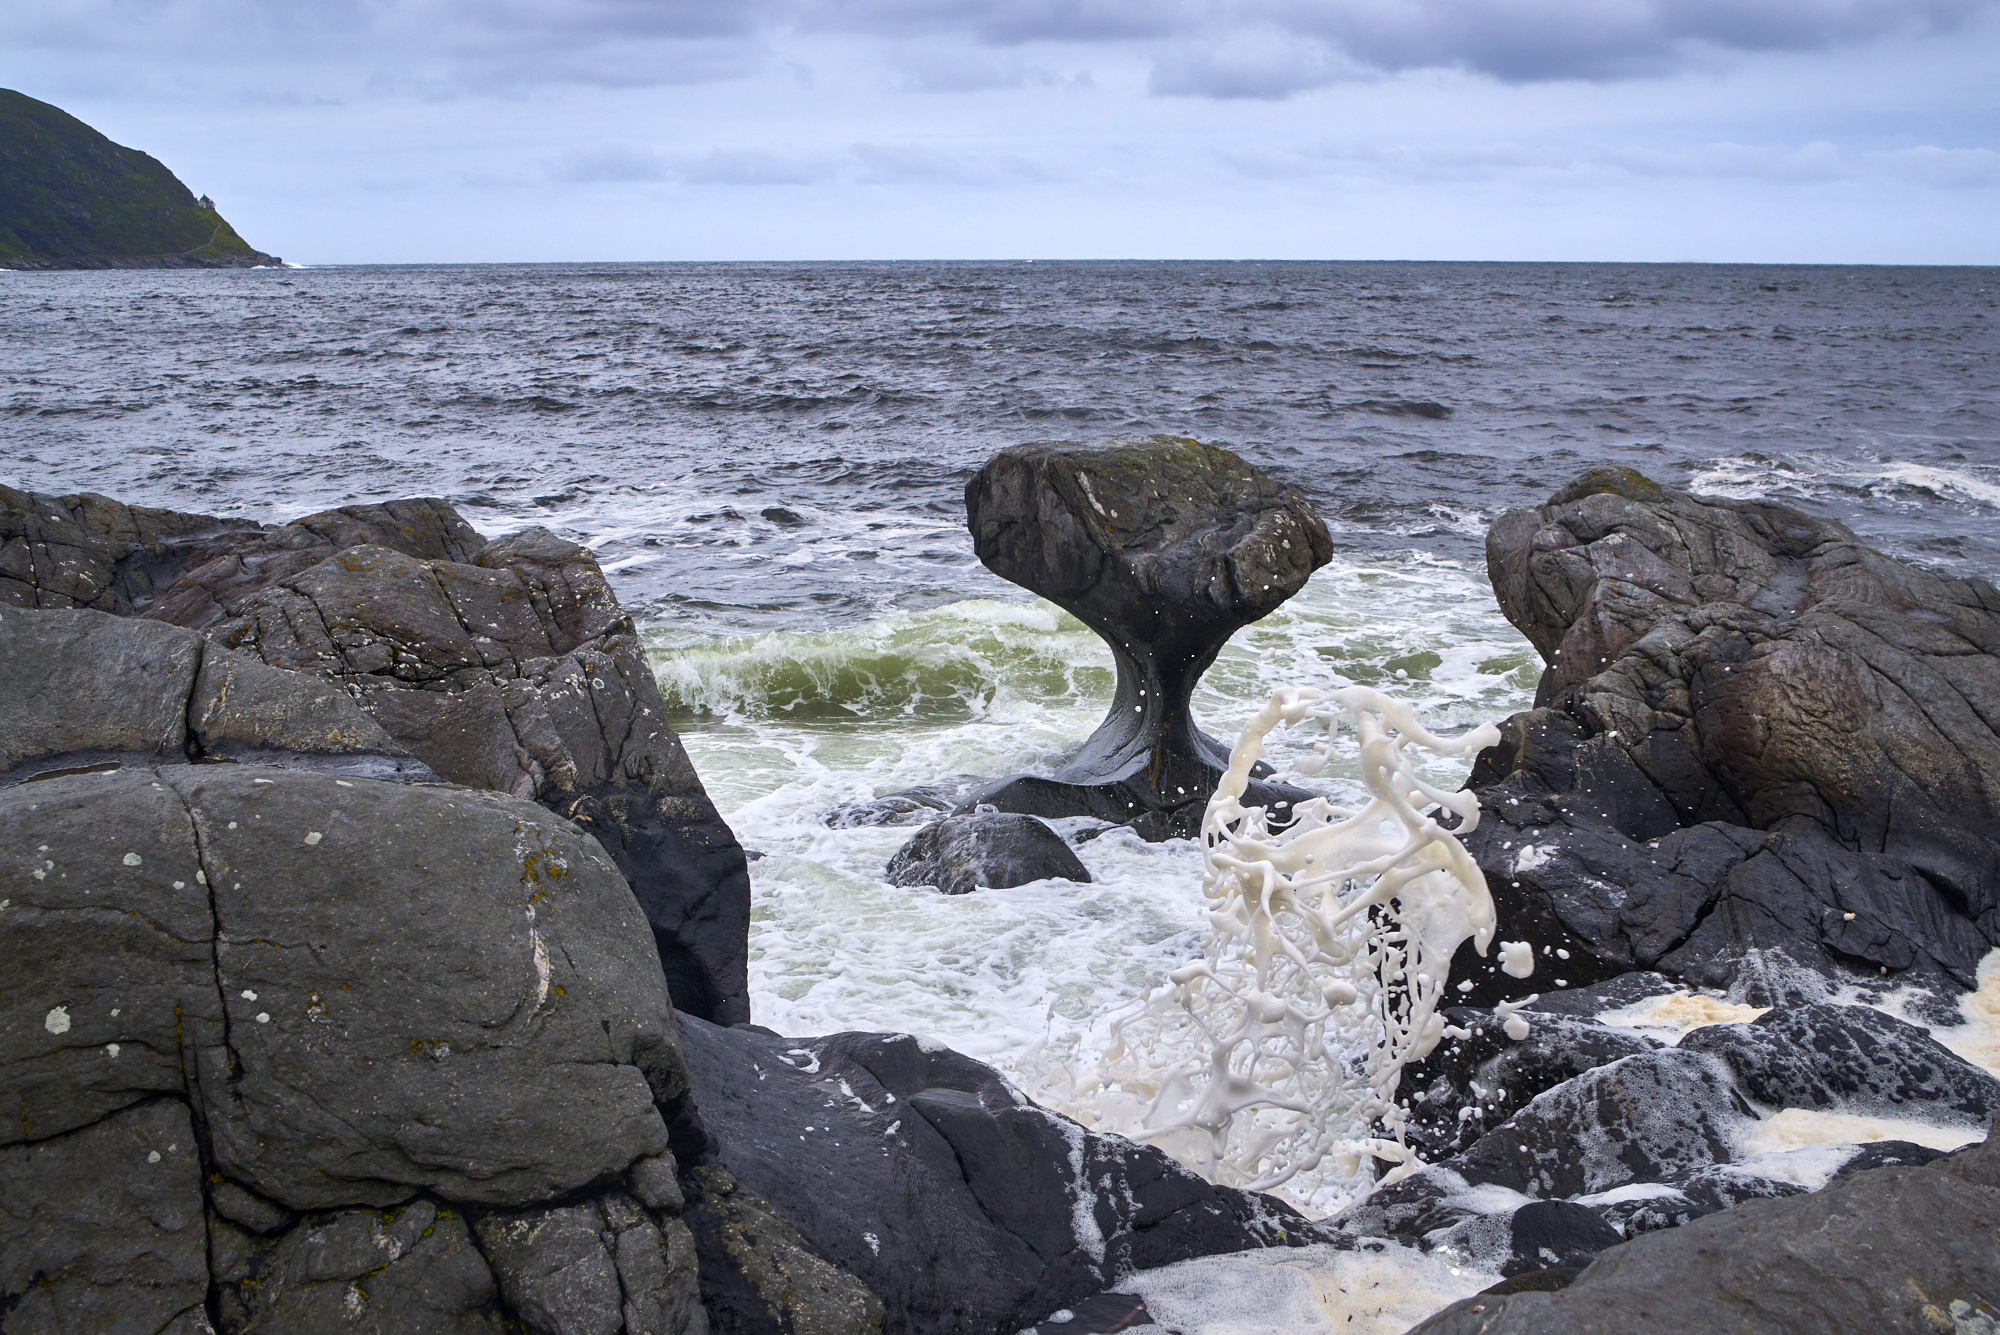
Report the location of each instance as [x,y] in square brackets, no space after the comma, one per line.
[531,129]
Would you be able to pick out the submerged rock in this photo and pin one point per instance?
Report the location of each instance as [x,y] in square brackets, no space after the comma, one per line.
[960,854]
[1759,749]
[1165,547]
[905,806]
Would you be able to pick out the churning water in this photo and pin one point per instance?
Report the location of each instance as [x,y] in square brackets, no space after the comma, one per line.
[770,459]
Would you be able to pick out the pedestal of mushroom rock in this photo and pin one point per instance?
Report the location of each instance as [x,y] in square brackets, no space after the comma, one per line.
[1164,546]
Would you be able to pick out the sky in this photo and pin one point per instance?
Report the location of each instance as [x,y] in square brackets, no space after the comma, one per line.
[348,131]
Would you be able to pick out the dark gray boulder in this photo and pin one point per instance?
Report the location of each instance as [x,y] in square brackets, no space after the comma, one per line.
[357,1016]
[1893,1251]
[1851,1058]
[960,854]
[595,1268]
[1656,1139]
[410,1270]
[760,1275]
[1165,547]
[1648,1118]
[465,1002]
[964,1207]
[102,1228]
[1471,1084]
[98,691]
[505,665]
[1759,748]
[86,550]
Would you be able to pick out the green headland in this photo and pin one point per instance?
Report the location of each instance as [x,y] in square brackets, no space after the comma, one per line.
[72,199]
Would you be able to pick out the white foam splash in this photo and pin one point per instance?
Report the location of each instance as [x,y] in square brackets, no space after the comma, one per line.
[1978,1039]
[1328,947]
[1381,1289]
[1674,1015]
[1797,1128]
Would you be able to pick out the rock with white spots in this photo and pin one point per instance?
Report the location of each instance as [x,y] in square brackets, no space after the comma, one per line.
[107,948]
[460,990]
[448,990]
[101,1228]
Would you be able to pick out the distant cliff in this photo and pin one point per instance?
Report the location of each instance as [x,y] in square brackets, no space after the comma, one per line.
[72,199]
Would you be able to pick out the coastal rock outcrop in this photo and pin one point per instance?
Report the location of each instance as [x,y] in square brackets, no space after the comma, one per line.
[1165,547]
[1761,753]
[962,853]
[505,665]
[1893,1249]
[965,1207]
[1658,1137]
[341,1020]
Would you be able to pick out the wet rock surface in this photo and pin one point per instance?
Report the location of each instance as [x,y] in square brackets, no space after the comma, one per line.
[1165,547]
[1760,750]
[1470,1085]
[962,853]
[1895,1249]
[1654,1139]
[965,1207]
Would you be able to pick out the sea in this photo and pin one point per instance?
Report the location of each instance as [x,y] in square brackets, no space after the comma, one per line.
[770,459]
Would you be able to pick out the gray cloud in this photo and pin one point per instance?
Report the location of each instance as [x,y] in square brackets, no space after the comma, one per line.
[611,163]
[1208,48]
[1267,64]
[738,167]
[1532,40]
[1592,166]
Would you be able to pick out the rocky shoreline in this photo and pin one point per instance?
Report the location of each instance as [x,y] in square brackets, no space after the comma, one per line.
[377,960]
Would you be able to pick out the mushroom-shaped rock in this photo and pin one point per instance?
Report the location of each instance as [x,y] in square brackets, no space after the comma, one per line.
[1164,546]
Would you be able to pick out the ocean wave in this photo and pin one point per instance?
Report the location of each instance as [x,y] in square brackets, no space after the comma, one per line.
[947,663]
